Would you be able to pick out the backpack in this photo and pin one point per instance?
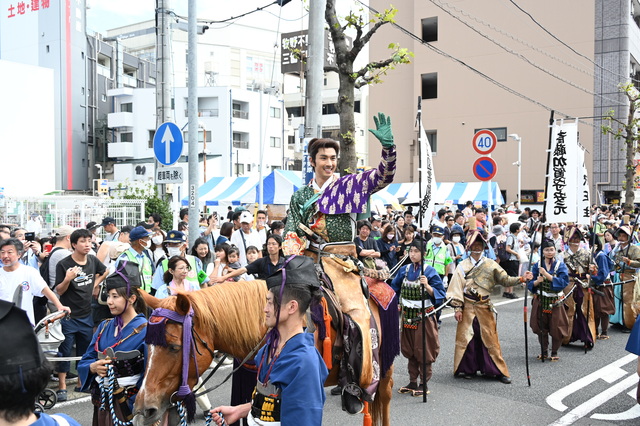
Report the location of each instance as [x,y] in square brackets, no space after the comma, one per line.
[44,267]
[501,250]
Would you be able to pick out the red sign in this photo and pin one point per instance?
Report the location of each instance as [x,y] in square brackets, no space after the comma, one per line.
[484,141]
[484,168]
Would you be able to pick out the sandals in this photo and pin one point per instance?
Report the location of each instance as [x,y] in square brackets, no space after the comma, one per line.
[543,357]
[418,392]
[410,388]
[554,358]
[602,337]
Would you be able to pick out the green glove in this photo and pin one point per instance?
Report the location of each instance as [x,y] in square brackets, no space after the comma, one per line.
[383,130]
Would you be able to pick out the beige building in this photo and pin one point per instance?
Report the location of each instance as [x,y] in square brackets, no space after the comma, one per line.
[459,98]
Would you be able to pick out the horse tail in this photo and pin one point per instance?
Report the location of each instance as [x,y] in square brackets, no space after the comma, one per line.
[380,406]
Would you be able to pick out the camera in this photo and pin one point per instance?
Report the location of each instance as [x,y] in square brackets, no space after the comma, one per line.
[30,236]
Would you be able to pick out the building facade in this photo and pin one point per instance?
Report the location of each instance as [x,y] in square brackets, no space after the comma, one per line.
[485,64]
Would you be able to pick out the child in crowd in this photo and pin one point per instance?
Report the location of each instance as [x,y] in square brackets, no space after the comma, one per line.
[253,254]
[233,258]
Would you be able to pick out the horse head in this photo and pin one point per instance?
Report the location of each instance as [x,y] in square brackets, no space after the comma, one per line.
[172,323]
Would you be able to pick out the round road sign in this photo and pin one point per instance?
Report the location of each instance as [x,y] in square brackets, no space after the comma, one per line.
[484,168]
[484,141]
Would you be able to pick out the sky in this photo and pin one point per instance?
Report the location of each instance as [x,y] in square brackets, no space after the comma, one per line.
[103,15]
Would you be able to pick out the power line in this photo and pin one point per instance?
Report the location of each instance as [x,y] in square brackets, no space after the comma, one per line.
[524,58]
[474,70]
[625,77]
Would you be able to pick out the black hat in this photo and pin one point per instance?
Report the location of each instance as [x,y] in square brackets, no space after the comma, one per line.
[296,270]
[572,230]
[547,242]
[92,225]
[127,274]
[20,350]
[107,220]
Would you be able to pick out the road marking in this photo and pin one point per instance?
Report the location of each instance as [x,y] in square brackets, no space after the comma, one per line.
[631,413]
[610,374]
[72,402]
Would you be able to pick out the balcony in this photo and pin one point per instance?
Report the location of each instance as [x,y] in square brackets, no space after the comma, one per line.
[240,114]
[120,150]
[120,119]
[204,113]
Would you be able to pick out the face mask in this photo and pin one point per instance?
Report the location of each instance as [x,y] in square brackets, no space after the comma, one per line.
[456,239]
[146,245]
[157,240]
[174,251]
[391,236]
[437,240]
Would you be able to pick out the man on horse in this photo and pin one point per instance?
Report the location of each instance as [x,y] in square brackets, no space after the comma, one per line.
[291,372]
[327,207]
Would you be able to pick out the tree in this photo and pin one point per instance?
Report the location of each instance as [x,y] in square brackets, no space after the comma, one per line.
[351,79]
[627,132]
[153,202]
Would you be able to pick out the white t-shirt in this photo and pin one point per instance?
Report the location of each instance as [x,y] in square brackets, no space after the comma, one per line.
[32,285]
[252,239]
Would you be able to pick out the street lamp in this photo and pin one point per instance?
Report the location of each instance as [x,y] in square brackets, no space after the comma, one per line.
[518,163]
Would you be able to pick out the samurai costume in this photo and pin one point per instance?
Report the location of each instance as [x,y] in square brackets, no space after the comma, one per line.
[407,284]
[290,388]
[327,211]
[477,344]
[633,346]
[623,294]
[580,311]
[125,346]
[603,299]
[548,313]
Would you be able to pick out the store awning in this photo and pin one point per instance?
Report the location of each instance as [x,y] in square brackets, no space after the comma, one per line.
[278,187]
[453,192]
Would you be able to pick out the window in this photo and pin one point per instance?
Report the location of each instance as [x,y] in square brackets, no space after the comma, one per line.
[430,29]
[274,142]
[430,85]
[291,141]
[126,137]
[239,169]
[200,133]
[152,133]
[274,112]
[432,137]
[128,107]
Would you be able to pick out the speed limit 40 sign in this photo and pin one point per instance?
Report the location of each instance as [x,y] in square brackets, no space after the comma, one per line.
[484,141]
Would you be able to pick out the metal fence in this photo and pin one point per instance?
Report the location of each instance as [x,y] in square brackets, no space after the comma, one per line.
[75,211]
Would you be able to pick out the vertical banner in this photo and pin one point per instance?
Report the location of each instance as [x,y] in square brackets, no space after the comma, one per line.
[561,202]
[428,178]
[584,201]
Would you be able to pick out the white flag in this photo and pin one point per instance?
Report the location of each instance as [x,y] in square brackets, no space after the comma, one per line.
[427,179]
[561,193]
[584,200]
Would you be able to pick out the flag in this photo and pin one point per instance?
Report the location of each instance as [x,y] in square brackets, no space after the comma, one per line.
[584,202]
[427,180]
[564,175]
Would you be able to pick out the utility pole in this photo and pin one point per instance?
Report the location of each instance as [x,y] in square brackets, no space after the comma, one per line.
[315,70]
[164,84]
[192,111]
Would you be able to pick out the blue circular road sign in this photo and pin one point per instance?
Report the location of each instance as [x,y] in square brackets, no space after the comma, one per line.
[167,143]
[484,168]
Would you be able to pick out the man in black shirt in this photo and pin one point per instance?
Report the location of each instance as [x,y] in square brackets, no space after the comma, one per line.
[367,248]
[77,278]
[262,267]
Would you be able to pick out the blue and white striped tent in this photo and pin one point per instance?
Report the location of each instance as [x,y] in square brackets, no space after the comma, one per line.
[455,192]
[278,187]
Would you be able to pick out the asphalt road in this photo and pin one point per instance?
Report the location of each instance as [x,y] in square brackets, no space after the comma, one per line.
[597,388]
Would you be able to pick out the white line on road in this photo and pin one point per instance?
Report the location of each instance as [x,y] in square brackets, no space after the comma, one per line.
[72,402]
[609,373]
[631,413]
[589,405]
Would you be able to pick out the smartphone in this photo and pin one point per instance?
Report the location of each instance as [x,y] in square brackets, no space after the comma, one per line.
[30,236]
[48,247]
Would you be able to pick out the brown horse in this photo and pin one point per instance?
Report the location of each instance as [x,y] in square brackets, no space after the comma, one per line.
[229,317]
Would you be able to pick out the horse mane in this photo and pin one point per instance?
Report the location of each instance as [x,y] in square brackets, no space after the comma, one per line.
[231,314]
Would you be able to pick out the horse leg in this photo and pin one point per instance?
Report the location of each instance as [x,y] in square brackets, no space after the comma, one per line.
[381,405]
